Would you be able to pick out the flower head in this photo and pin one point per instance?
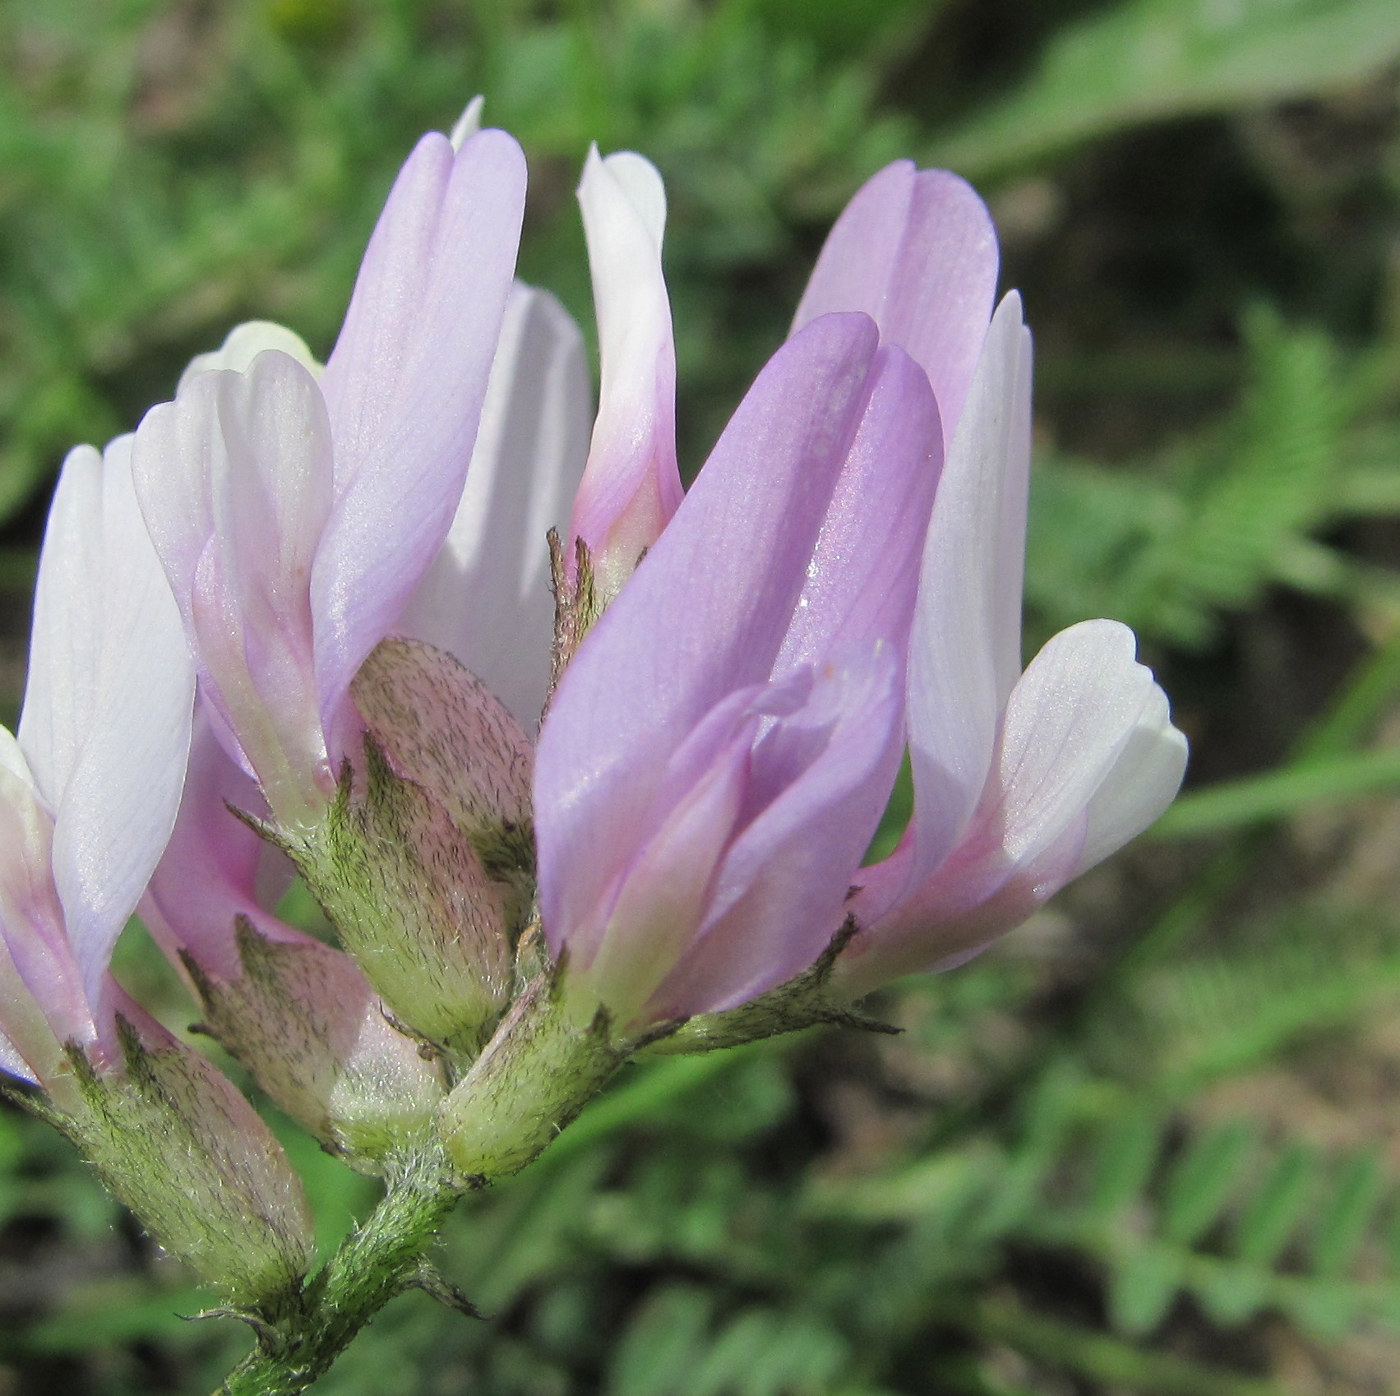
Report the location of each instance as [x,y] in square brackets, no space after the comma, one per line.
[845,571]
[353,562]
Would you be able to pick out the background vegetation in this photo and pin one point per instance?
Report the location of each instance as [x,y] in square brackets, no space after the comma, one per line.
[1151,1143]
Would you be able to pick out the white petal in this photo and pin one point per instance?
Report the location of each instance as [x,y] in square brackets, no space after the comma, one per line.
[1139,787]
[965,649]
[235,481]
[60,690]
[468,124]
[244,343]
[637,180]
[1087,759]
[632,486]
[118,800]
[12,758]
[486,598]
[1070,720]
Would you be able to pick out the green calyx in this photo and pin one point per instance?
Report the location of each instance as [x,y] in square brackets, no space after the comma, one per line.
[174,1140]
[805,1001]
[530,1081]
[304,1021]
[412,903]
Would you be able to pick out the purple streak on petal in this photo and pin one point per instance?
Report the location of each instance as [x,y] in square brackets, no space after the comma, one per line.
[632,485]
[486,599]
[916,250]
[820,778]
[405,383]
[116,678]
[702,617]
[965,646]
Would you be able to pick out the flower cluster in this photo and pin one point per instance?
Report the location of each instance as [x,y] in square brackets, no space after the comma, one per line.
[305,621]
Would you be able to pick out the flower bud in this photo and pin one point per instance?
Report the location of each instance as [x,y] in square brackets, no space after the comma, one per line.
[301,1018]
[178,1144]
[423,861]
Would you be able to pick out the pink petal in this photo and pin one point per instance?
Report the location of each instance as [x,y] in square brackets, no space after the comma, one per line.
[583,901]
[863,573]
[703,617]
[796,547]
[664,890]
[405,383]
[916,250]
[821,777]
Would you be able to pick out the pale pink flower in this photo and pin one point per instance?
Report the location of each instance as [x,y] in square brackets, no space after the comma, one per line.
[89,790]
[720,751]
[296,514]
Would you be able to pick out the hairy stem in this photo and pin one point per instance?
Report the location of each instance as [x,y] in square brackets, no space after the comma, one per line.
[380,1259]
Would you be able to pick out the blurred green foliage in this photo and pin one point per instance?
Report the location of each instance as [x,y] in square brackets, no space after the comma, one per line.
[1072,1172]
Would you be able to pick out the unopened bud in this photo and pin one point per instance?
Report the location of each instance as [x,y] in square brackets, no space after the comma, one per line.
[304,1021]
[178,1144]
[423,862]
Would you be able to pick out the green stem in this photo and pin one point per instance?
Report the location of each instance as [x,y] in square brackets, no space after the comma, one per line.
[380,1259]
